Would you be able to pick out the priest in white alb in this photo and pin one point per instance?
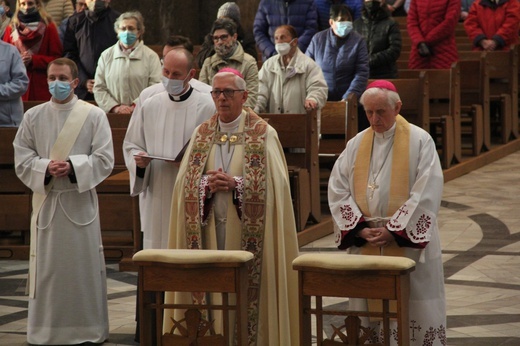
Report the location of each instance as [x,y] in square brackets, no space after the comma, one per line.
[63,150]
[384,195]
[161,127]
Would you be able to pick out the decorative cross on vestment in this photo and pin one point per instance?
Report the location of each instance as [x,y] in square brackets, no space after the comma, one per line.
[372,186]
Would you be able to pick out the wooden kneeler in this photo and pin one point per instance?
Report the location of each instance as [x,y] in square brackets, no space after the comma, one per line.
[382,278]
[191,271]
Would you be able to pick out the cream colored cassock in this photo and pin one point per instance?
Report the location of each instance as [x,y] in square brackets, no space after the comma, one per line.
[161,127]
[427,298]
[278,313]
[70,304]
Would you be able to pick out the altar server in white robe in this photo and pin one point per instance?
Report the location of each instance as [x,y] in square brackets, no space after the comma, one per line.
[173,42]
[161,127]
[384,195]
[68,295]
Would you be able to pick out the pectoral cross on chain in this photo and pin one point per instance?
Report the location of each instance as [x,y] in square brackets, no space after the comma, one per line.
[372,186]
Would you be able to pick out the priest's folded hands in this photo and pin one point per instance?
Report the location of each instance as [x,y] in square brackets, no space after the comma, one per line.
[376,236]
[59,169]
[218,180]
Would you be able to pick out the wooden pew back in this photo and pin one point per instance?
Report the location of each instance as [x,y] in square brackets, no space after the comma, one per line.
[298,134]
[444,100]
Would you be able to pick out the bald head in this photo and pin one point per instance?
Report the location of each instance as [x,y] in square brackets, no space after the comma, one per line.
[179,58]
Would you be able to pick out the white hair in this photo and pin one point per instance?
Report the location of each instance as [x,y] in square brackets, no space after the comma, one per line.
[391,96]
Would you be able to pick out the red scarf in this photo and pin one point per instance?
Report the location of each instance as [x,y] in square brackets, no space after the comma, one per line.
[26,39]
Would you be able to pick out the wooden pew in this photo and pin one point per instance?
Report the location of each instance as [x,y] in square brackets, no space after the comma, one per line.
[500,78]
[444,102]
[298,134]
[474,98]
[15,199]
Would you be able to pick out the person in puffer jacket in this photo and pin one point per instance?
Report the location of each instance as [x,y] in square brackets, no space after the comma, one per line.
[493,25]
[431,26]
[342,55]
[383,38]
[301,14]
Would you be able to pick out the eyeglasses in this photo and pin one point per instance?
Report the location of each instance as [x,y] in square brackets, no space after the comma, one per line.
[221,37]
[228,93]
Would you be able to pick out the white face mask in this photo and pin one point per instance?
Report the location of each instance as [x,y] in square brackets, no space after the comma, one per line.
[283,48]
[173,86]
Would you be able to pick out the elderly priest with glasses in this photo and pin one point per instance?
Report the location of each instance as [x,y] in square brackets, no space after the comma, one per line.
[232,193]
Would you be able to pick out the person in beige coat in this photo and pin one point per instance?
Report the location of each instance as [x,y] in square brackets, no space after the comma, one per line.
[58,9]
[290,82]
[229,53]
[126,68]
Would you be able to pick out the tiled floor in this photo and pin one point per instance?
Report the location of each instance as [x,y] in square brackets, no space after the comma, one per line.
[480,234]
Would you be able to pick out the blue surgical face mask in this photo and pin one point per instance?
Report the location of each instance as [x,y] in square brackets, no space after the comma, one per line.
[60,90]
[128,38]
[343,28]
[2,11]
[173,86]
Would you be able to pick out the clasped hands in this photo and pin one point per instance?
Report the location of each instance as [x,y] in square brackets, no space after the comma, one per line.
[59,169]
[424,50]
[220,181]
[379,237]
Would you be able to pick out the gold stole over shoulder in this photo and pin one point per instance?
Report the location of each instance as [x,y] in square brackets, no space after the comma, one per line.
[253,201]
[399,187]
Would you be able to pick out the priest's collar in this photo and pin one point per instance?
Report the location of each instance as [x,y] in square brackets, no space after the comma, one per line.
[231,126]
[182,97]
[387,134]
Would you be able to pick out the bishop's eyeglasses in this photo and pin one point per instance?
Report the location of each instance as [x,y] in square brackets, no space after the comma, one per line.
[228,93]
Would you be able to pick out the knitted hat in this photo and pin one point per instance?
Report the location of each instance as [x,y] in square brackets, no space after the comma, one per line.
[230,10]
[382,84]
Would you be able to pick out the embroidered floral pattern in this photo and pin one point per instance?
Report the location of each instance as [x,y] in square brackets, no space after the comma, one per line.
[347,214]
[422,227]
[203,187]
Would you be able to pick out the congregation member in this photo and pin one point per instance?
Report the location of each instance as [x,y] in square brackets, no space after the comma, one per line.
[323,9]
[13,84]
[80,6]
[161,127]
[343,57]
[290,82]
[384,195]
[493,25]
[229,53]
[5,19]
[231,11]
[34,34]
[58,10]
[301,14]
[431,26]
[62,151]
[126,68]
[383,39]
[89,33]
[232,193]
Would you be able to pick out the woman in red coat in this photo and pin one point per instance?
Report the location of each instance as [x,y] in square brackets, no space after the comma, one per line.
[36,37]
[493,25]
[431,26]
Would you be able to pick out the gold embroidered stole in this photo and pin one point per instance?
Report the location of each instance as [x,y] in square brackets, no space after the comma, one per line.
[399,187]
[253,200]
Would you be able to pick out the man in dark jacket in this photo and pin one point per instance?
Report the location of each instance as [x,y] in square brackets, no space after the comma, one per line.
[88,34]
[383,39]
[301,14]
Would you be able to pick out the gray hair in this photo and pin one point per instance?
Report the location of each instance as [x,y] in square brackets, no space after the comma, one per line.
[240,83]
[131,15]
[391,96]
